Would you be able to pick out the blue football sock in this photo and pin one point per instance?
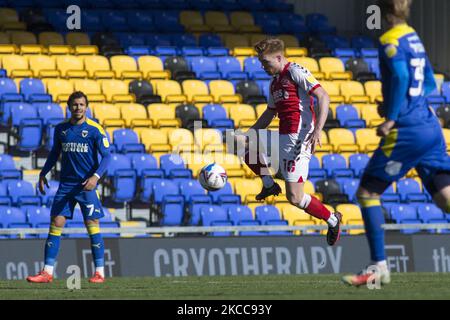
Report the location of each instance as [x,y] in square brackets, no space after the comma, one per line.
[52,245]
[97,245]
[373,219]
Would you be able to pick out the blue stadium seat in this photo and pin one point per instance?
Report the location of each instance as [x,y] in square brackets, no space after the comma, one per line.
[315,170]
[36,215]
[137,51]
[109,224]
[30,135]
[91,21]
[239,213]
[251,65]
[75,224]
[158,40]
[7,86]
[427,212]
[358,162]
[410,231]
[167,22]
[108,217]
[226,190]
[370,56]
[129,39]
[8,168]
[184,40]
[140,21]
[190,188]
[389,195]
[49,112]
[143,161]
[445,90]
[336,166]
[216,52]
[172,210]
[123,178]
[359,42]
[147,177]
[33,89]
[399,212]
[212,213]
[162,188]
[346,112]
[226,65]
[180,174]
[21,191]
[20,111]
[203,65]
[409,191]
[11,215]
[229,199]
[169,162]
[47,199]
[344,54]
[197,202]
[192,51]
[213,112]
[350,186]
[210,40]
[267,214]
[127,140]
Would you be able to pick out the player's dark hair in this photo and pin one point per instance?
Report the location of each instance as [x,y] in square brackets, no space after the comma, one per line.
[395,8]
[269,45]
[77,95]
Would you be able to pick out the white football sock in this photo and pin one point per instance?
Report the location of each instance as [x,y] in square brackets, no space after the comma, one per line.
[332,220]
[49,269]
[267,181]
[100,270]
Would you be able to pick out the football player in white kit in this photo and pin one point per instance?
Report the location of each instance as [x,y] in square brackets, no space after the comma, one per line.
[291,99]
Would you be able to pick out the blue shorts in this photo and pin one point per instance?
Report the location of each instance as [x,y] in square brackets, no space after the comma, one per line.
[423,148]
[69,194]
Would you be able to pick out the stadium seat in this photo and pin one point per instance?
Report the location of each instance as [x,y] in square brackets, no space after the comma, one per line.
[163,187]
[155,139]
[349,212]
[8,169]
[125,67]
[126,140]
[367,140]
[342,140]
[223,91]
[373,90]
[226,190]
[213,112]
[369,113]
[427,212]
[36,215]
[345,113]
[71,66]
[333,69]
[16,65]
[349,187]
[196,91]
[172,210]
[98,67]
[22,191]
[134,114]
[357,162]
[336,165]
[49,112]
[353,91]
[410,191]
[400,212]
[9,216]
[169,162]
[116,91]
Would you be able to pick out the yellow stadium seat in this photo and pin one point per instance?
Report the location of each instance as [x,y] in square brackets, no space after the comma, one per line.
[32,49]
[43,66]
[15,64]
[77,39]
[50,38]
[125,67]
[86,50]
[170,91]
[446,133]
[241,18]
[349,212]
[8,15]
[196,91]
[4,38]
[359,222]
[105,112]
[22,37]
[236,40]
[71,66]
[223,92]
[15,26]
[162,115]
[116,91]
[310,64]
[132,112]
[289,40]
[367,139]
[373,90]
[353,91]
[204,137]
[241,112]
[216,18]
[292,213]
[91,88]
[369,112]
[60,89]
[243,52]
[155,140]
[228,161]
[248,188]
[334,68]
[334,92]
[152,67]
[295,52]
[305,223]
[59,49]
[180,136]
[6,49]
[342,140]
[97,67]
[190,18]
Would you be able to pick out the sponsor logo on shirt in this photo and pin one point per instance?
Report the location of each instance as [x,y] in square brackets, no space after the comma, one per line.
[75,147]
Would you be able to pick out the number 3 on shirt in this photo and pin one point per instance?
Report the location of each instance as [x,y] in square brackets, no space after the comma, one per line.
[418,64]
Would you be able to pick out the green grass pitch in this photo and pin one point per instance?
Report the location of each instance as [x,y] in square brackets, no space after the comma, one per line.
[282,287]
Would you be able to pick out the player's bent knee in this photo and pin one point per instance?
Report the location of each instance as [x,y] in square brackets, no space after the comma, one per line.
[92,226]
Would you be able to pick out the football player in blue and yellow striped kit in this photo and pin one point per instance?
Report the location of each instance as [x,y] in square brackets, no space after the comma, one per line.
[79,140]
[411,135]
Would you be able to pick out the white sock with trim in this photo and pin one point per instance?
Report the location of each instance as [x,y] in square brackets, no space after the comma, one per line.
[100,270]
[48,269]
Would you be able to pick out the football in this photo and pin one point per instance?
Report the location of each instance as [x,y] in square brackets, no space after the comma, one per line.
[212,177]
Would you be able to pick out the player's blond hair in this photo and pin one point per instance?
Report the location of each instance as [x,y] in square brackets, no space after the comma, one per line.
[269,45]
[396,8]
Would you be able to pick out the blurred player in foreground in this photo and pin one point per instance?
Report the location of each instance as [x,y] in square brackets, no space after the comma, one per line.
[411,135]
